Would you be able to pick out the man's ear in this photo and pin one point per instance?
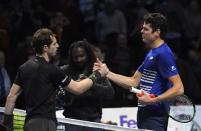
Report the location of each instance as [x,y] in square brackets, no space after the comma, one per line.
[158,32]
[45,47]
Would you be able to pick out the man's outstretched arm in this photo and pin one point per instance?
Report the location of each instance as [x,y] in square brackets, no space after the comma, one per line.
[123,81]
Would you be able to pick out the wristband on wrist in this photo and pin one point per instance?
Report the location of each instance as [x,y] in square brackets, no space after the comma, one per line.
[65,81]
[95,76]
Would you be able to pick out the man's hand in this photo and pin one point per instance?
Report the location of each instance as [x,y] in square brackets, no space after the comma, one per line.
[146,98]
[101,67]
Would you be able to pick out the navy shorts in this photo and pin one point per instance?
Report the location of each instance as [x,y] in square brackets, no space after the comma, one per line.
[152,119]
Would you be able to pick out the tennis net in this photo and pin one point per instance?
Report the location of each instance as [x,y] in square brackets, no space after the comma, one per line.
[63,123]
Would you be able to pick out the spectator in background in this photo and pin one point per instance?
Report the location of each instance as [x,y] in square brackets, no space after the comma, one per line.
[110,20]
[5,28]
[57,24]
[191,83]
[4,80]
[177,24]
[193,14]
[99,53]
[118,60]
[88,13]
[87,106]
[120,55]
[24,51]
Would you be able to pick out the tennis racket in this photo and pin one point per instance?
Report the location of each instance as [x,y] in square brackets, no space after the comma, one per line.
[182,109]
[17,123]
[2,127]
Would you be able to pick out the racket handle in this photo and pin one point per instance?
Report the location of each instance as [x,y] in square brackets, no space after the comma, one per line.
[140,93]
[135,90]
[152,95]
[8,120]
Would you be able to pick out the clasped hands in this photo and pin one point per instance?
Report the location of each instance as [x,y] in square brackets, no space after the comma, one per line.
[101,67]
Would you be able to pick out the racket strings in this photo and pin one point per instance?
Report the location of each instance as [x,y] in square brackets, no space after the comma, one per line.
[181,100]
[182,109]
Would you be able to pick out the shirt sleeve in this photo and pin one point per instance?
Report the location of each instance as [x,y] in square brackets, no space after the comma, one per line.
[18,78]
[167,65]
[60,77]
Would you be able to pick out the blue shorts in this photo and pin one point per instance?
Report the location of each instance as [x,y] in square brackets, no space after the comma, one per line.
[152,119]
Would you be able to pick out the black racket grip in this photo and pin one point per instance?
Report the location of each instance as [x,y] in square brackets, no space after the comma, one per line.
[8,121]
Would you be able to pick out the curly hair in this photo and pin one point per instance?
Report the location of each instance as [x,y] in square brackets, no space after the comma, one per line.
[91,58]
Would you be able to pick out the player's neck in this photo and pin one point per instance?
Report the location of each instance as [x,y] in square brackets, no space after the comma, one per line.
[157,43]
[45,56]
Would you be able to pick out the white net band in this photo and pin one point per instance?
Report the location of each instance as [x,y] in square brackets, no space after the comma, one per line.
[19,117]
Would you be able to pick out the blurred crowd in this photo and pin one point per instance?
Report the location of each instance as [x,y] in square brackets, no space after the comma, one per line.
[112,27]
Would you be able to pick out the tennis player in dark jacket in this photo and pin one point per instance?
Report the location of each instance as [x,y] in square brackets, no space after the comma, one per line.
[39,80]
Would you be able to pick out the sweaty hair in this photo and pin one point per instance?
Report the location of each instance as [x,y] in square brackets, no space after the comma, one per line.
[40,38]
[91,58]
[157,21]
